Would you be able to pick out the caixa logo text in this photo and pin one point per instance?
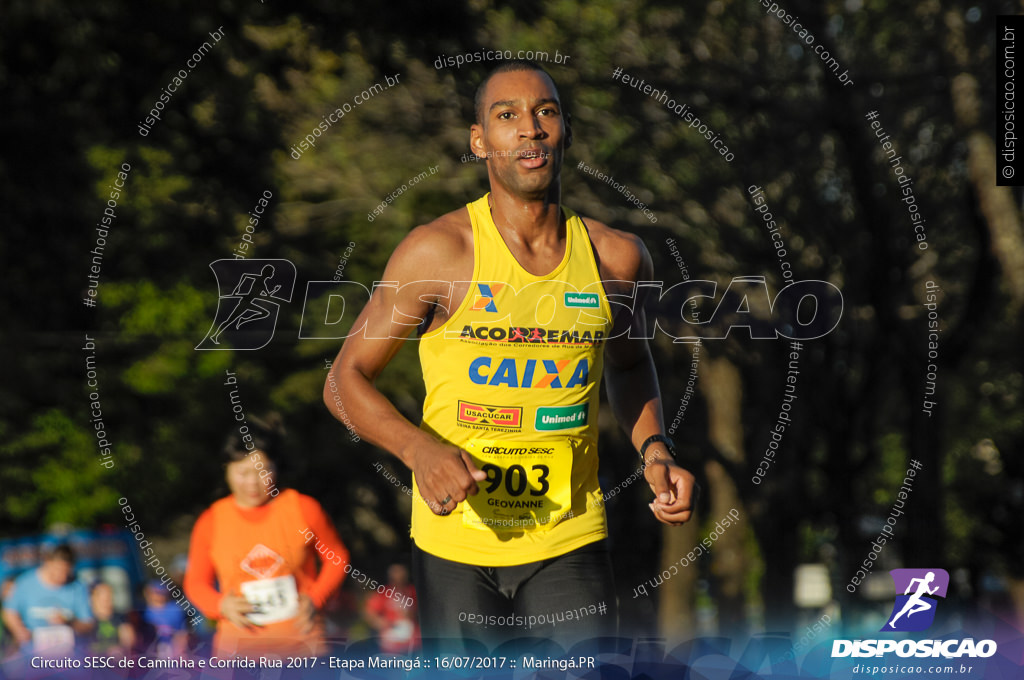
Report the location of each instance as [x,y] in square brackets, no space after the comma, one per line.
[251,293]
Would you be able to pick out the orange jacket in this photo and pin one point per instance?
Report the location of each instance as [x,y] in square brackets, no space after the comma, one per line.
[231,545]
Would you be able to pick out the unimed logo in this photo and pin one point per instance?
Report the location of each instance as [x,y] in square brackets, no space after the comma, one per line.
[914,610]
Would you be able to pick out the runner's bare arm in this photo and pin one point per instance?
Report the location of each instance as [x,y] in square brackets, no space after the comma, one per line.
[389,318]
[632,381]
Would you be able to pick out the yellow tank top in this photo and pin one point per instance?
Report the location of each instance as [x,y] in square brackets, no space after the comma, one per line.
[513,378]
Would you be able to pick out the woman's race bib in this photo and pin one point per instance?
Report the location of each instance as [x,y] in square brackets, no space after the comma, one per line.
[275,599]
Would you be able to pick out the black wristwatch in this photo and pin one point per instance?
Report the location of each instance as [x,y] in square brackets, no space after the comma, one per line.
[657,438]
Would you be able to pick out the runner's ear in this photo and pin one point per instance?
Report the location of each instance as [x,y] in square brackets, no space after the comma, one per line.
[476,142]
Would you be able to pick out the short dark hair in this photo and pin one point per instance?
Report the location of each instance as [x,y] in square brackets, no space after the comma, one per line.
[61,551]
[265,435]
[509,66]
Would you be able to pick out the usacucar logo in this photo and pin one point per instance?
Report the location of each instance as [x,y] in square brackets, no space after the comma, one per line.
[491,417]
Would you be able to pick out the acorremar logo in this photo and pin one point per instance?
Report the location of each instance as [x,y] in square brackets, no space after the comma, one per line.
[914,610]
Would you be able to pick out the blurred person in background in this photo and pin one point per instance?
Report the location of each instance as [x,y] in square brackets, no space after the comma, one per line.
[167,621]
[251,567]
[48,611]
[392,613]
[113,635]
[6,642]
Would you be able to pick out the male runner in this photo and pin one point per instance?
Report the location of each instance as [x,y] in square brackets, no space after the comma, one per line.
[48,609]
[511,297]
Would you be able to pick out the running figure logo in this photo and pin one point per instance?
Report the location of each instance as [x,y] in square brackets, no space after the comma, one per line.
[915,610]
[247,316]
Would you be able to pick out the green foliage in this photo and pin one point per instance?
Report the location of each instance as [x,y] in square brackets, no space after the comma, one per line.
[65,482]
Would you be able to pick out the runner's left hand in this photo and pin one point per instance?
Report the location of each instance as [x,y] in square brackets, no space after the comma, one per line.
[675,492]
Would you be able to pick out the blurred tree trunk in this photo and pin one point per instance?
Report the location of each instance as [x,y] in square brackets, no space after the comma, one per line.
[677,614]
[994,202]
[722,388]
[996,205]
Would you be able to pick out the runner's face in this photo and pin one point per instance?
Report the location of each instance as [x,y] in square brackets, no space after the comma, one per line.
[523,134]
[57,571]
[248,488]
[102,601]
[398,574]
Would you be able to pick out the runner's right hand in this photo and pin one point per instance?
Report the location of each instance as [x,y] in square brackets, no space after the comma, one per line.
[234,609]
[444,471]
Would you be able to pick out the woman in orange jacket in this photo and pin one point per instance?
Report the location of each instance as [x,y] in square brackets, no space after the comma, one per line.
[252,563]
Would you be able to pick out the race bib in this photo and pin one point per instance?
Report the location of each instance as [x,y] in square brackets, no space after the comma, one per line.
[528,485]
[398,633]
[53,640]
[275,599]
